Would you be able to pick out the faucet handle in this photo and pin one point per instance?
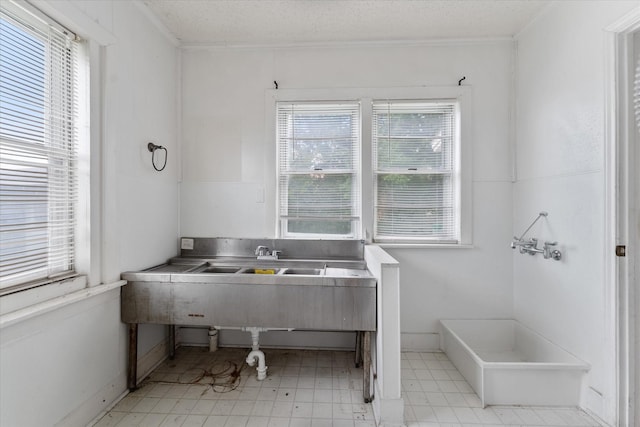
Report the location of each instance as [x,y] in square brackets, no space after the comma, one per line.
[275,253]
[262,250]
[553,254]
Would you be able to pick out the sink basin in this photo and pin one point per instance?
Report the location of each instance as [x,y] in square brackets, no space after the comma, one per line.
[224,270]
[305,271]
[266,271]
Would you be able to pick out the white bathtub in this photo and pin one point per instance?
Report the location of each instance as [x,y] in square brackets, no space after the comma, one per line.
[507,363]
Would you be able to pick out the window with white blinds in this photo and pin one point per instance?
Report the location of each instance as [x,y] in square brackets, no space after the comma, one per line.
[318,169]
[415,147]
[38,108]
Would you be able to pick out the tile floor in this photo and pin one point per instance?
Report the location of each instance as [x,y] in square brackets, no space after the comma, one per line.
[309,388]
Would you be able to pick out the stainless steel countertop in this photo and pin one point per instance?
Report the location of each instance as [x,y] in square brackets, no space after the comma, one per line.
[238,270]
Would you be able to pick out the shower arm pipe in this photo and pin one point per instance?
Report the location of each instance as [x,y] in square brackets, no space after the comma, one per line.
[540,215]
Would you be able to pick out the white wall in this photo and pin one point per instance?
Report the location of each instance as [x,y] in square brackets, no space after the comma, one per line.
[560,159]
[69,364]
[141,78]
[228,187]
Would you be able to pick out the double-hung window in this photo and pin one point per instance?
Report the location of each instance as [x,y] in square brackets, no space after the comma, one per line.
[415,166]
[38,135]
[392,166]
[319,169]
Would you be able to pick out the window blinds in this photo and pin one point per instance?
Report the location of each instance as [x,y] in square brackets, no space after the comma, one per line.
[37,147]
[414,149]
[318,167]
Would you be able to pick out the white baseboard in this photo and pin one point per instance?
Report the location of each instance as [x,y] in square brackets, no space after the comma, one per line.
[99,403]
[594,405]
[420,341]
[387,412]
[153,358]
[146,364]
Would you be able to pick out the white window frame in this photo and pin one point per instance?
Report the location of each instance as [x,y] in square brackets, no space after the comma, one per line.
[55,151]
[47,295]
[461,94]
[453,172]
[284,171]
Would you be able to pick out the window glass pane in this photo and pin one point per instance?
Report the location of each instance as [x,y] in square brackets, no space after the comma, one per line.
[413,137]
[416,141]
[412,205]
[320,203]
[321,154]
[333,227]
[22,83]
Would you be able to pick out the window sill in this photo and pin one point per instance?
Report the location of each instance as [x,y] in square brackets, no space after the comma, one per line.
[422,245]
[25,305]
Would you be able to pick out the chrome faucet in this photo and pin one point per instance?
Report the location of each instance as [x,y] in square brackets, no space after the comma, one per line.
[516,242]
[527,246]
[530,246]
[263,253]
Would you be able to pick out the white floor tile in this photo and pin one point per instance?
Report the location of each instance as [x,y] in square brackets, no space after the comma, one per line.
[111,419]
[258,422]
[132,419]
[174,420]
[194,421]
[283,422]
[236,421]
[153,420]
[281,409]
[146,404]
[300,422]
[302,410]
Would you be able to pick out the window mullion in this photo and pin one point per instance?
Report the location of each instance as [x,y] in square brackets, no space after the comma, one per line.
[367,181]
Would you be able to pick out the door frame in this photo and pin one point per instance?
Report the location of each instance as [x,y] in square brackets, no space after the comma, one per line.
[622,308]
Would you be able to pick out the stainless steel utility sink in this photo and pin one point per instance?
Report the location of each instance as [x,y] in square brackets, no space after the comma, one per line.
[217,282]
[232,291]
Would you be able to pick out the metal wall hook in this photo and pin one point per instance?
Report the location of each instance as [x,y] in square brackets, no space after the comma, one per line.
[152,148]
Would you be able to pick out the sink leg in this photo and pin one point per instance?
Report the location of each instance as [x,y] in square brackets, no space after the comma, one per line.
[358,359]
[132,371]
[172,342]
[366,350]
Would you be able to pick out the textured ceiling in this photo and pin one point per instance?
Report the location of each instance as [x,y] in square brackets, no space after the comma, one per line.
[260,22]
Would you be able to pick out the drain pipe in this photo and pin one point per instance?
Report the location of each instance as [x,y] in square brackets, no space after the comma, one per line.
[262,368]
[256,353]
[213,339]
